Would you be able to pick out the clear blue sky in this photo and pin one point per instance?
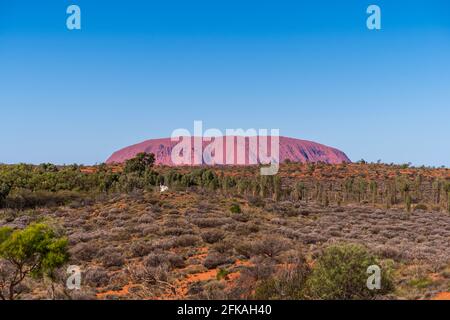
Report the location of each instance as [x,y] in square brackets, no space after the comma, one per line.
[140,69]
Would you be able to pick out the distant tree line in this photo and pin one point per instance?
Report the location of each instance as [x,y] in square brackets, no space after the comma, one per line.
[25,185]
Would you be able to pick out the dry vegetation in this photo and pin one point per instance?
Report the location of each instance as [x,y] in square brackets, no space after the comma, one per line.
[241,242]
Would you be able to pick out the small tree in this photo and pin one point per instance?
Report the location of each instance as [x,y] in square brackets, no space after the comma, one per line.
[34,251]
[447,189]
[326,200]
[437,186]
[300,190]
[4,191]
[373,186]
[140,163]
[408,202]
[276,188]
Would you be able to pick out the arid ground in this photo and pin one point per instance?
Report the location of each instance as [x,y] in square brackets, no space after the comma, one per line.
[225,243]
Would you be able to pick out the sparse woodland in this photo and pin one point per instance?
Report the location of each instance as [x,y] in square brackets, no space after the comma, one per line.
[229,233]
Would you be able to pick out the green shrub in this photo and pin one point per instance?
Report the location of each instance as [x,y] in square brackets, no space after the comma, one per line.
[140,163]
[4,191]
[408,202]
[35,251]
[130,182]
[340,273]
[421,283]
[222,274]
[235,208]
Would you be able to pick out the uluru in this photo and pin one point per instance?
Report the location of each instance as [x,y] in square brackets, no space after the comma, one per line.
[290,149]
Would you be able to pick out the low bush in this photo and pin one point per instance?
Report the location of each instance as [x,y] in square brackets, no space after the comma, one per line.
[245,229]
[176,231]
[212,236]
[340,273]
[140,248]
[186,240]
[223,246]
[215,259]
[170,259]
[83,251]
[268,246]
[235,208]
[111,258]
[96,277]
[214,290]
[210,222]
[288,284]
[256,202]
[24,198]
[421,206]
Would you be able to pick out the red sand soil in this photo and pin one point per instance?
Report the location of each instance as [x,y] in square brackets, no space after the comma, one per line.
[442,296]
[182,285]
[122,292]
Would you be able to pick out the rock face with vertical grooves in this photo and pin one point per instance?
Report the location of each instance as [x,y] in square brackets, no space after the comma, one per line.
[295,150]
